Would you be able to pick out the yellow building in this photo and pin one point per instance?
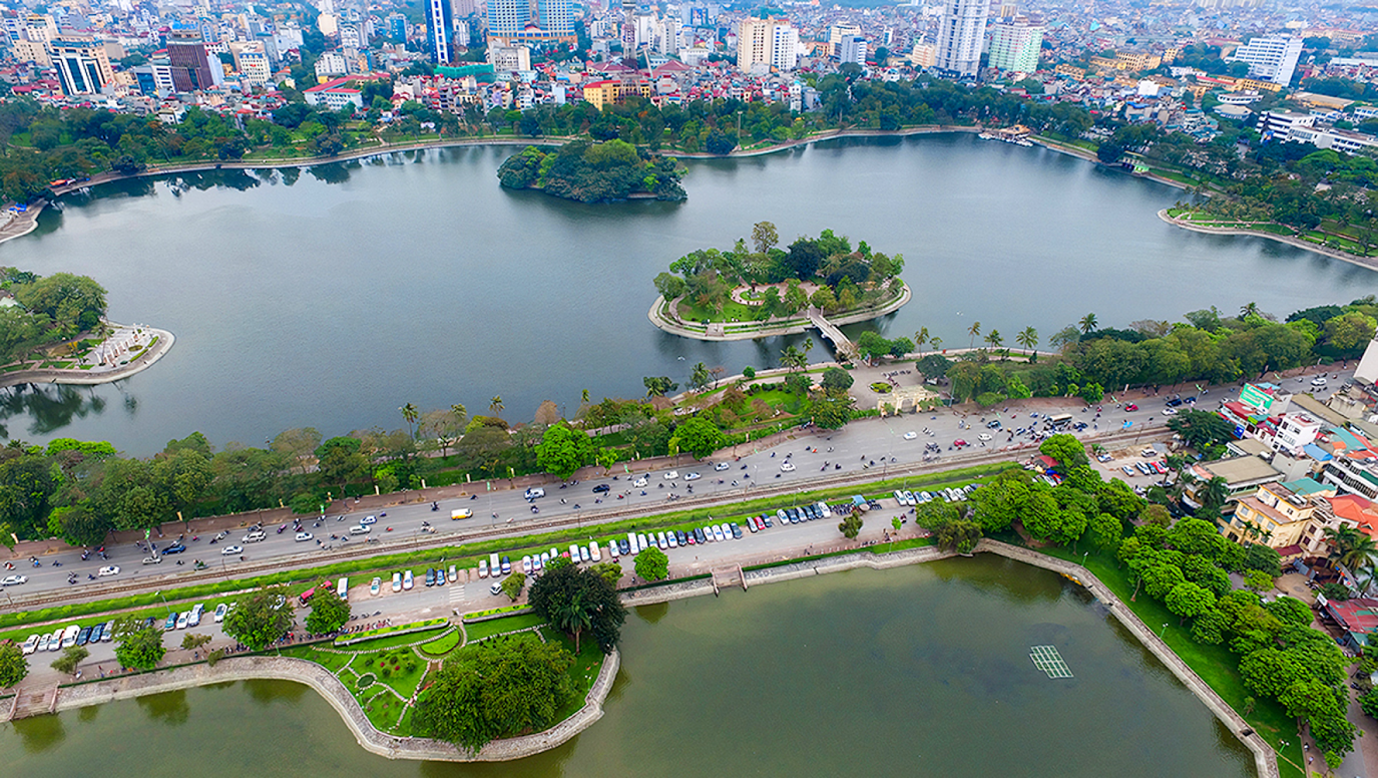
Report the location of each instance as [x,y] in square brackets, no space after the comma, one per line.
[1256,84]
[1065,69]
[609,91]
[1274,516]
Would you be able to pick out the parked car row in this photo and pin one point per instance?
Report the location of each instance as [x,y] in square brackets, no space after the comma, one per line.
[74,635]
[1146,468]
[956,494]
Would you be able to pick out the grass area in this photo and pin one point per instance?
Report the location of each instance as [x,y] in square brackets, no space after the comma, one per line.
[321,655]
[492,627]
[443,645]
[496,611]
[583,673]
[381,707]
[388,642]
[733,311]
[1216,665]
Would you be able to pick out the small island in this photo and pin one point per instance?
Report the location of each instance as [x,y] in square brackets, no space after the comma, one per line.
[762,290]
[594,172]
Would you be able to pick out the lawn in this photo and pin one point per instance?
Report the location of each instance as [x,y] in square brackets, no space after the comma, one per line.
[375,644]
[492,627]
[733,311]
[441,646]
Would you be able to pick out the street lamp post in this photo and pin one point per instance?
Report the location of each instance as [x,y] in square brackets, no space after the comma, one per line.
[1162,630]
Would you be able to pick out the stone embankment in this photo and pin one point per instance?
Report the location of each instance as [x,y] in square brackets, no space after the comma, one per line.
[1356,260]
[95,376]
[329,687]
[662,316]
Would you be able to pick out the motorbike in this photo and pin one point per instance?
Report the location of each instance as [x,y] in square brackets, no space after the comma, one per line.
[435,506]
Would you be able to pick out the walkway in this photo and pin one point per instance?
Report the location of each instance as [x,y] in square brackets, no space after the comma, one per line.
[119,344]
[831,332]
[663,316]
[1356,260]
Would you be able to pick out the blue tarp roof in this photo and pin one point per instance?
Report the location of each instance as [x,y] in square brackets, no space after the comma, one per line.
[1316,453]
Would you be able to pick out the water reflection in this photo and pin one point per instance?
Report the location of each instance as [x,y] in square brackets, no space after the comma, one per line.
[170,708]
[234,178]
[330,173]
[50,408]
[40,734]
[267,692]
[290,175]
[652,613]
[89,713]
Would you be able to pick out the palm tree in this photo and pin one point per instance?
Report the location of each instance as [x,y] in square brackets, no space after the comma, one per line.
[935,342]
[793,358]
[1213,493]
[585,396]
[922,337]
[1249,309]
[496,405]
[974,331]
[1352,549]
[1088,323]
[574,618]
[1029,339]
[410,415]
[994,339]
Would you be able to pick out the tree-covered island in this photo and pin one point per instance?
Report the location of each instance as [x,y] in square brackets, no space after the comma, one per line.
[594,172]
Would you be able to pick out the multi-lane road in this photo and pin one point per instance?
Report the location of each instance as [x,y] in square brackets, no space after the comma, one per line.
[866,447]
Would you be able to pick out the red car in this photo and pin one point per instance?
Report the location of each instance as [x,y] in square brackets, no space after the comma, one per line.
[1131,408]
[959,443]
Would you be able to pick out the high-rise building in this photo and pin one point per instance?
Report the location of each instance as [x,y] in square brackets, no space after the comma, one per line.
[961,36]
[509,21]
[1016,47]
[439,49]
[923,54]
[839,32]
[190,61]
[1272,58]
[82,65]
[771,42]
[398,28]
[853,48]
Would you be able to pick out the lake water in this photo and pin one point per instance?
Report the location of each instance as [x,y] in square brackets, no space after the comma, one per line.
[334,300]
[916,671]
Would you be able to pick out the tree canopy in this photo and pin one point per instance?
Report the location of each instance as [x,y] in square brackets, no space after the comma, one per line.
[577,601]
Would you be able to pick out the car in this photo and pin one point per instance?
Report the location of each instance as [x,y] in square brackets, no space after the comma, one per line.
[29,645]
[788,467]
[733,527]
[83,636]
[109,570]
[985,437]
[641,482]
[55,643]
[1127,469]
[909,436]
[397,582]
[699,536]
[681,538]
[532,494]
[910,498]
[194,617]
[959,443]
[171,621]
[368,520]
[543,560]
[1131,408]
[430,579]
[1102,457]
[505,566]
[97,632]
[527,563]
[672,542]
[584,552]
[176,548]
[721,467]
[1176,402]
[407,580]
[182,620]
[1318,382]
[42,645]
[223,609]
[671,475]
[254,537]
[10,581]
[358,529]
[624,550]
[303,535]
[1167,412]
[153,560]
[603,488]
[690,476]
[107,632]
[718,533]
[661,540]
[496,588]
[994,424]
[1189,400]
[278,603]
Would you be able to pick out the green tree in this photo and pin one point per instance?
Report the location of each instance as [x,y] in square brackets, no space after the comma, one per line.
[1199,428]
[698,435]
[1065,449]
[576,600]
[651,565]
[1088,323]
[1028,338]
[658,386]
[260,619]
[1188,600]
[340,461]
[192,641]
[851,525]
[329,612]
[830,413]
[700,376]
[513,585]
[836,381]
[1257,581]
[506,686]
[13,666]
[764,236]
[1104,532]
[564,450]
[410,414]
[138,645]
[70,658]
[609,571]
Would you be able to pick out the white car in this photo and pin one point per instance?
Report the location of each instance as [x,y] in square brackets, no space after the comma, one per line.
[253,537]
[641,482]
[721,467]
[221,611]
[1318,382]
[14,580]
[788,467]
[182,619]
[407,579]
[909,436]
[374,586]
[1167,412]
[30,645]
[985,437]
[690,476]
[671,475]
[153,560]
[109,570]
[397,582]
[532,494]
[303,535]
[230,551]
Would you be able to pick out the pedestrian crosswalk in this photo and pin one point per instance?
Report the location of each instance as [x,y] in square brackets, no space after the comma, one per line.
[456,593]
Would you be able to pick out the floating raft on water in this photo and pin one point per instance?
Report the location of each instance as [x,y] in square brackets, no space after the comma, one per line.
[1049,660]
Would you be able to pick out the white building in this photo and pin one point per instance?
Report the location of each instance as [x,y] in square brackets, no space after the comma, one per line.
[961,36]
[767,42]
[510,58]
[1272,58]
[1015,47]
[330,64]
[838,33]
[853,48]
[1296,431]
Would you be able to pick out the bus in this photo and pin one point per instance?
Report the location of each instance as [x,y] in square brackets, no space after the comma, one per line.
[1060,421]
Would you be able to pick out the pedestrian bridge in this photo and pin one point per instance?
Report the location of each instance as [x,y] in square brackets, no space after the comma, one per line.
[831,332]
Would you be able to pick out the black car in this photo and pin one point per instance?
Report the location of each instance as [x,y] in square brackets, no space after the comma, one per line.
[431,577]
[624,550]
[176,548]
[699,536]
[603,488]
[680,538]
[738,533]
[767,521]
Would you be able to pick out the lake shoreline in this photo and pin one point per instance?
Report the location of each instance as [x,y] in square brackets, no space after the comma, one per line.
[325,683]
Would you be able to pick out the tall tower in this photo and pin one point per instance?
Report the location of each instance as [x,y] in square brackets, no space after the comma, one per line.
[961,36]
[439,32]
[630,34]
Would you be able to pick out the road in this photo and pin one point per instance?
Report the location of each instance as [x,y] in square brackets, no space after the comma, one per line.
[867,446]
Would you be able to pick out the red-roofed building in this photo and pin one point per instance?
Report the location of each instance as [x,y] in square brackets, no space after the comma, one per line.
[336,93]
[1356,617]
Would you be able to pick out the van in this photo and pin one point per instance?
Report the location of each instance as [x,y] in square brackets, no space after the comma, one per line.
[824,509]
[461,513]
[594,551]
[494,565]
[342,588]
[358,529]
[642,542]
[254,537]
[633,544]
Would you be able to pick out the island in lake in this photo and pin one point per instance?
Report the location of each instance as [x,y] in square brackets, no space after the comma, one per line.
[594,172]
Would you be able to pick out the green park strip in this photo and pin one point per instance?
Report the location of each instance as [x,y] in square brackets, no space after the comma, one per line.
[390,632]
[178,599]
[493,612]
[1216,665]
[504,624]
[440,647]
